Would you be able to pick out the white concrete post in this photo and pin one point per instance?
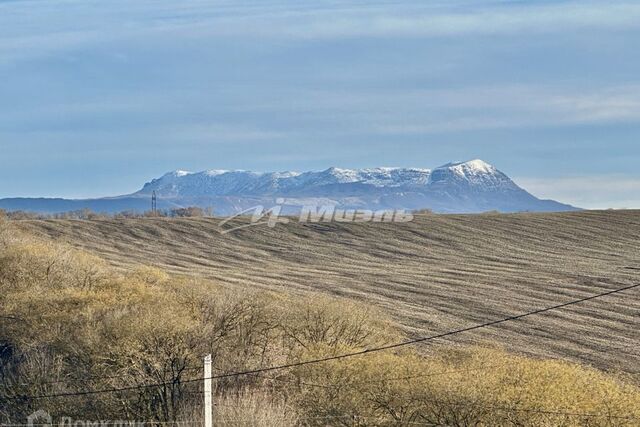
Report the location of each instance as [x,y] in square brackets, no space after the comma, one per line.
[208,393]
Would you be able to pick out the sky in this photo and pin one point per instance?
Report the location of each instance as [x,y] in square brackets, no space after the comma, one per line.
[97,98]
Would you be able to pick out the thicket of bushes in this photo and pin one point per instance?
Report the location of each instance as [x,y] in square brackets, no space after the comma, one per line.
[69,322]
[88,214]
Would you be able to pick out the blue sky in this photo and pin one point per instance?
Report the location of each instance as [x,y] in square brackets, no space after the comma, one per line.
[98,97]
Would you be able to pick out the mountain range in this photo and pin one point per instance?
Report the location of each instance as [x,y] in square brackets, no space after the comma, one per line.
[459,187]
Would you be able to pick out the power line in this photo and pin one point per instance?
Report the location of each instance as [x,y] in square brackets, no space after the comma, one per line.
[426,375]
[429,338]
[410,377]
[98,377]
[346,355]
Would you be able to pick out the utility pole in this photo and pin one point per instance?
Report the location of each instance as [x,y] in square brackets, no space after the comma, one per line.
[208,393]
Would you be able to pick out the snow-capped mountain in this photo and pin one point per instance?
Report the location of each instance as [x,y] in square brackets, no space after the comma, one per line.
[235,183]
[461,187]
[473,186]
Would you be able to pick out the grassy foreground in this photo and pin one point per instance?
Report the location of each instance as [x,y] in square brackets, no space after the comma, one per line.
[72,322]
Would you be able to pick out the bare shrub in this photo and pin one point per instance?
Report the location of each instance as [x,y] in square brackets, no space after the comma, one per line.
[40,263]
[240,329]
[27,373]
[466,387]
[192,211]
[323,321]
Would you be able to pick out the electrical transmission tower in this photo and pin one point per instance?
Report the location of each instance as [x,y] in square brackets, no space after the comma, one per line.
[154,202]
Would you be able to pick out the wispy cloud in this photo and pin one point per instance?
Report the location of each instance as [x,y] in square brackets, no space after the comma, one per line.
[420,21]
[588,191]
[486,107]
[216,133]
[608,105]
[261,116]
[37,28]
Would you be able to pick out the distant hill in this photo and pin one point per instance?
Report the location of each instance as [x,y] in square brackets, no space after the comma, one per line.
[461,187]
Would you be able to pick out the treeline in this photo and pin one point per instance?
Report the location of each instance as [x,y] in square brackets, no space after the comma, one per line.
[88,214]
[71,323]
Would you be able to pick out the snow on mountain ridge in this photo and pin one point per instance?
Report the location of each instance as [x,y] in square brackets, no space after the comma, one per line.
[174,174]
[472,167]
[215,172]
[383,176]
[476,174]
[241,182]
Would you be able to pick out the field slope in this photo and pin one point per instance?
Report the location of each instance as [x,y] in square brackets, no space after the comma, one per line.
[437,273]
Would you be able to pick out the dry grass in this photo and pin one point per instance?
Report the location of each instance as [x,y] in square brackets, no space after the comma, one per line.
[435,274]
[244,408]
